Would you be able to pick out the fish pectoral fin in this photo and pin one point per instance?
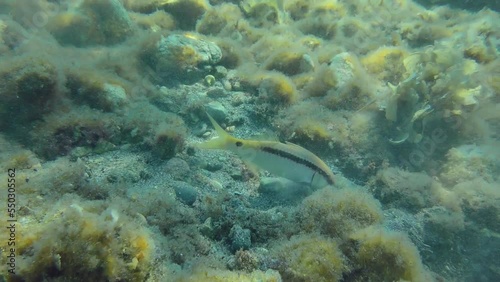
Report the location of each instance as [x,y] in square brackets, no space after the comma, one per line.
[312,178]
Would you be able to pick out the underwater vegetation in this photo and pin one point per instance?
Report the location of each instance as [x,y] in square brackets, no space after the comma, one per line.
[116,246]
[103,105]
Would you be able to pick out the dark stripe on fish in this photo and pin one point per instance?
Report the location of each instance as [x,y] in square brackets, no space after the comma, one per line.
[301,161]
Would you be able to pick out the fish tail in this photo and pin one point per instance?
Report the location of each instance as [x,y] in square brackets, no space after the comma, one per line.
[220,142]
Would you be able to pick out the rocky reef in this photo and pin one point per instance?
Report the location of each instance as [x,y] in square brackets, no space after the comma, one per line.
[101,103]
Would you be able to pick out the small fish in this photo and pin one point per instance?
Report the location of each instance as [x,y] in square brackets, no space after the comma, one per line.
[281,159]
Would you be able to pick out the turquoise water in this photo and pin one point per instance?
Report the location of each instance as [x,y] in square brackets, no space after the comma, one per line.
[111,172]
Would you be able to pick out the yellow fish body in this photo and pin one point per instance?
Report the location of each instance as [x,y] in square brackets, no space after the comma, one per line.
[281,159]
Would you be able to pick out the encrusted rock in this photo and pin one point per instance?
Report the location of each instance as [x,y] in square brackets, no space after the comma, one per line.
[92,22]
[183,57]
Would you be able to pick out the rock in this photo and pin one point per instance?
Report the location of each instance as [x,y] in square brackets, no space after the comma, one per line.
[28,91]
[95,90]
[114,95]
[240,238]
[216,93]
[207,229]
[92,22]
[177,168]
[185,12]
[216,110]
[187,52]
[213,166]
[236,174]
[342,68]
[185,192]
[220,72]
[182,58]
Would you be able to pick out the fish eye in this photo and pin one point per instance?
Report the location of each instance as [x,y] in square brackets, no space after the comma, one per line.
[239,143]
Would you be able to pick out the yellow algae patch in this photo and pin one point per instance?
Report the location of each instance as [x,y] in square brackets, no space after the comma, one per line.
[312,129]
[339,213]
[388,256]
[385,61]
[64,20]
[311,258]
[274,86]
[85,237]
[468,97]
[329,6]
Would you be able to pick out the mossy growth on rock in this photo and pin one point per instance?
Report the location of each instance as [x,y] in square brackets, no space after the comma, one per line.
[310,258]
[220,20]
[290,62]
[185,12]
[339,213]
[100,91]
[183,58]
[28,90]
[401,189]
[278,88]
[91,239]
[93,22]
[381,255]
[62,132]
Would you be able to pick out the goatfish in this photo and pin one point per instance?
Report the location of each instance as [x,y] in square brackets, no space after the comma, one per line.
[286,160]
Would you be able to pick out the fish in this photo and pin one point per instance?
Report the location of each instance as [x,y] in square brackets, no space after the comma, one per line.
[283,159]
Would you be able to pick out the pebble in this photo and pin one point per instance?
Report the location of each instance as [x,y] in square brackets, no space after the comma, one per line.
[185,192]
[177,168]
